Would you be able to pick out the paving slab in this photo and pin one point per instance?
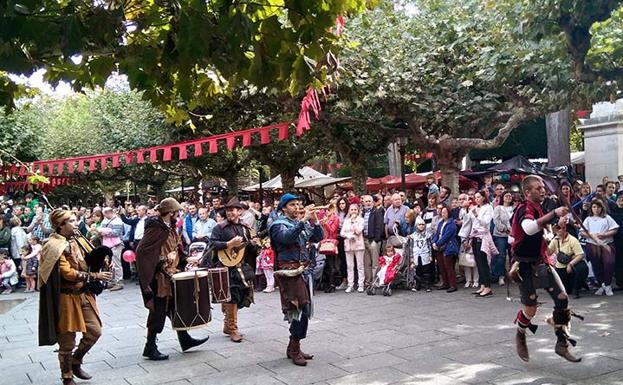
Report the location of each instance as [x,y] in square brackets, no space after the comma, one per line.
[408,338]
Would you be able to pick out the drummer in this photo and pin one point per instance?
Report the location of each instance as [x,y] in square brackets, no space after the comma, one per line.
[156,261]
[232,234]
[289,237]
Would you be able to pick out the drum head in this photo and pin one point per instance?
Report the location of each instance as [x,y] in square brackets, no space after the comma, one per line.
[189,275]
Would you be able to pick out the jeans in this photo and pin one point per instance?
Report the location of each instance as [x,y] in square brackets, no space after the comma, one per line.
[117,270]
[351,256]
[498,262]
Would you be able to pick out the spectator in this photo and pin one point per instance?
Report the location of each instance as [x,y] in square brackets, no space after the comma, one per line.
[431,211]
[431,186]
[40,225]
[445,193]
[617,215]
[601,228]
[217,204]
[502,215]
[570,264]
[354,247]
[373,231]
[497,194]
[189,221]
[19,239]
[331,227]
[31,266]
[5,235]
[394,215]
[421,256]
[482,217]
[8,272]
[342,213]
[137,225]
[111,233]
[611,191]
[202,229]
[447,248]
[387,201]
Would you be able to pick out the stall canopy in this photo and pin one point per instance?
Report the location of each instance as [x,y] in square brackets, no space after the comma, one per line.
[309,178]
[412,181]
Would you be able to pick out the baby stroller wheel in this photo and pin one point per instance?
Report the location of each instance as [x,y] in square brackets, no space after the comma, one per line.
[371,290]
[387,291]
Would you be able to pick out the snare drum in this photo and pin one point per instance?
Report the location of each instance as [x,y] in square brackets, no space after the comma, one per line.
[192,300]
[219,278]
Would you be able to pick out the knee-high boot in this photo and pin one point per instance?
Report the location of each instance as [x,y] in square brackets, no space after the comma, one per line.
[234,334]
[561,321]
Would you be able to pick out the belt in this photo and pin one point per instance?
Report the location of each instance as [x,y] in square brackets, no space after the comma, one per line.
[291,265]
[73,291]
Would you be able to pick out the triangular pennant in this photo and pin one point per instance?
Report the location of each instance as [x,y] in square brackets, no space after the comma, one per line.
[283,132]
[153,155]
[246,139]
[198,149]
[265,135]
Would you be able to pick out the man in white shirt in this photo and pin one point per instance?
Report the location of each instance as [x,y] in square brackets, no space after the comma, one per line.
[202,229]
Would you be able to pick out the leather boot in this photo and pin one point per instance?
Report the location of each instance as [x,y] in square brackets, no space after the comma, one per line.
[295,353]
[78,372]
[68,381]
[187,342]
[151,349]
[76,365]
[64,359]
[233,325]
[562,349]
[289,352]
[226,325]
[522,347]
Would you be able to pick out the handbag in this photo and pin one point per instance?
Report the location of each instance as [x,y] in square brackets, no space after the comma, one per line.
[467,259]
[563,258]
[328,247]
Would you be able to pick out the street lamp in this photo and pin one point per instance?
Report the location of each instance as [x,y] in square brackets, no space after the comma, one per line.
[402,141]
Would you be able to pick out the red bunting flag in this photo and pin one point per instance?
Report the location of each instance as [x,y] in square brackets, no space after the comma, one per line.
[231,142]
[183,154]
[115,161]
[166,156]
[213,144]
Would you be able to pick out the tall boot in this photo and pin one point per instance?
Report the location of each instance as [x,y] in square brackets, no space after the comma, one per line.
[187,342]
[294,353]
[68,381]
[521,345]
[561,321]
[76,362]
[151,349]
[290,351]
[233,324]
[64,359]
[226,320]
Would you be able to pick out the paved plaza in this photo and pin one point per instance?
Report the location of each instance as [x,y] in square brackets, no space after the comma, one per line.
[409,338]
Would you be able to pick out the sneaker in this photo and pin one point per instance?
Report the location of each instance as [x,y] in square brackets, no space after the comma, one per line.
[608,290]
[413,289]
[7,291]
[115,287]
[349,289]
[600,291]
[360,289]
[268,290]
[428,290]
[475,284]
[343,286]
[468,284]
[501,281]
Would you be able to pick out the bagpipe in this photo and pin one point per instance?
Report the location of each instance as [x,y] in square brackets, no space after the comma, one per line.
[98,259]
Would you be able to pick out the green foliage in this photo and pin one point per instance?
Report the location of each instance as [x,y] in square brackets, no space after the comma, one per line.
[182,53]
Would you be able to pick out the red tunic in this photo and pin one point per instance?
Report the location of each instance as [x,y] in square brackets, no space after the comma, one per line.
[528,247]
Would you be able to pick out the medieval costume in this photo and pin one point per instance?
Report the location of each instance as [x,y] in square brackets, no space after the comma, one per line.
[157,258]
[66,306]
[241,274]
[531,271]
[289,238]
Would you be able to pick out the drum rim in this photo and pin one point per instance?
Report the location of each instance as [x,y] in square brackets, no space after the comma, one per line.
[185,275]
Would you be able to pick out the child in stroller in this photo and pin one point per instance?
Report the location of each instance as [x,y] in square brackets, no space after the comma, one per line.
[195,255]
[389,263]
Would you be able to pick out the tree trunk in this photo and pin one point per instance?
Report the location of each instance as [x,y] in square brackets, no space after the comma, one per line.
[359,173]
[393,158]
[232,184]
[557,125]
[449,162]
[287,181]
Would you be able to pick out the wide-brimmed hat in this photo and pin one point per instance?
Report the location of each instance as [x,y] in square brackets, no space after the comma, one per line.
[287,198]
[234,203]
[168,205]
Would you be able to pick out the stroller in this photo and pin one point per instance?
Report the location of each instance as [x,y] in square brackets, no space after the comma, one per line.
[196,252]
[393,271]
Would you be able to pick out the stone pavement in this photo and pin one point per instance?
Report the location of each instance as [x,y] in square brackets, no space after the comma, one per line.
[409,338]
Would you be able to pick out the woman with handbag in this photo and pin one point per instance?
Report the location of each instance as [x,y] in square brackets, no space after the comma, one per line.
[329,245]
[354,247]
[570,264]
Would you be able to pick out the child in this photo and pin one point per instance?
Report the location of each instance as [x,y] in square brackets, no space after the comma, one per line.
[30,267]
[421,260]
[468,262]
[192,262]
[387,264]
[8,272]
[267,264]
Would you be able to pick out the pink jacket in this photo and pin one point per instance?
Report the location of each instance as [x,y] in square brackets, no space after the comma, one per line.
[352,232]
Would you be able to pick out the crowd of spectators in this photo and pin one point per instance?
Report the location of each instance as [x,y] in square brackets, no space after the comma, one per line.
[461,238]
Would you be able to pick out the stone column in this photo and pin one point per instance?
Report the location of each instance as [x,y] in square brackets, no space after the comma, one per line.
[603,142]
